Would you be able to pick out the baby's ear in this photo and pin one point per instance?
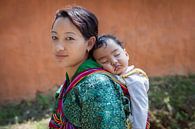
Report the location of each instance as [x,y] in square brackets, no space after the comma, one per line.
[91,42]
[126,53]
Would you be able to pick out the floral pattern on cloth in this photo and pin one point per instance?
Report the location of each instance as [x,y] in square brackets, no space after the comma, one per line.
[94,103]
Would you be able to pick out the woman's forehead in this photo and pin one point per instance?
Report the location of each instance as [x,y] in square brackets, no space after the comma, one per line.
[64,25]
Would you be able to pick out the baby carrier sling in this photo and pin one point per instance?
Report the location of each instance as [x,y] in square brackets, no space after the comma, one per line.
[140,72]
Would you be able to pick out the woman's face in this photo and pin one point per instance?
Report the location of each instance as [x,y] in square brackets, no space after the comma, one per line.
[69,44]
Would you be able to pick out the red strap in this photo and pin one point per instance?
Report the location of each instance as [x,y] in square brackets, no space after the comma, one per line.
[91,71]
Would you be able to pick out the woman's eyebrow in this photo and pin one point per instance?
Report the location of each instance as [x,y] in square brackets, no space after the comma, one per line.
[70,33]
[53,32]
[64,33]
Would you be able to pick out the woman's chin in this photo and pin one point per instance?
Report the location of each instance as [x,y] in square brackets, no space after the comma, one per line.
[61,63]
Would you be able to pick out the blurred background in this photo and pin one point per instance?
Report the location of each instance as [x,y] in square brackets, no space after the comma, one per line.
[159,35]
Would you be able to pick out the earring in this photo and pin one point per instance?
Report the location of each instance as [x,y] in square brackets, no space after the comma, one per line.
[87,51]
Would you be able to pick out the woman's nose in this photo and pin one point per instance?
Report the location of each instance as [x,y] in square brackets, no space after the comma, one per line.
[59,47]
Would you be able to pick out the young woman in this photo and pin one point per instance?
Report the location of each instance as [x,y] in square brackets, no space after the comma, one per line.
[88,99]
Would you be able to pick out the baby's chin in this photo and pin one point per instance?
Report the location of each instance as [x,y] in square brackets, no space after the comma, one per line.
[112,72]
[121,71]
[118,72]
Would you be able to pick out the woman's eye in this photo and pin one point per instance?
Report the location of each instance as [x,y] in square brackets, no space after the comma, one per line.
[69,38]
[54,37]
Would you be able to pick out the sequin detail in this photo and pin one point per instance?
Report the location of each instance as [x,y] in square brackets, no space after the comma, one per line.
[95,103]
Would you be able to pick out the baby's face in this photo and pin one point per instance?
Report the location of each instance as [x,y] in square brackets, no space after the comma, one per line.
[112,57]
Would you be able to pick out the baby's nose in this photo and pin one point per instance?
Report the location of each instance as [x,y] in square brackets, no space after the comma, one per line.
[114,62]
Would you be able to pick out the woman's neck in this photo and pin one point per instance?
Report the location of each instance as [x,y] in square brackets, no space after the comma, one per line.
[72,69]
[70,72]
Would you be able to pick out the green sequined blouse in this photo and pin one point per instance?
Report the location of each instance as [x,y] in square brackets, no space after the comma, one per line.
[96,102]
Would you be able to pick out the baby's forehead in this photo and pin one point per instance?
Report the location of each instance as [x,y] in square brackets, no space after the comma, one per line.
[106,45]
[111,42]
[110,46]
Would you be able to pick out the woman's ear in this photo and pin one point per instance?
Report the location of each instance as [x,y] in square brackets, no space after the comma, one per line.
[90,43]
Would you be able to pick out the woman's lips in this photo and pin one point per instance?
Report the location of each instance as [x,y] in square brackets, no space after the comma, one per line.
[61,55]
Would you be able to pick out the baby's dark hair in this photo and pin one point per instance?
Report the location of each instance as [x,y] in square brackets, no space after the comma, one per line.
[104,39]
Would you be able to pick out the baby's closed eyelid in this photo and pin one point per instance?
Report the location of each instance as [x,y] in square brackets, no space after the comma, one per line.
[104,62]
[117,54]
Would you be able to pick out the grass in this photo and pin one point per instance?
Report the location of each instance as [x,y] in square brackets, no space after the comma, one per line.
[42,124]
[25,111]
[172,106]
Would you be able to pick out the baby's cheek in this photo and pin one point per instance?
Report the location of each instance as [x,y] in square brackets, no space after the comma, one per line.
[109,68]
[105,67]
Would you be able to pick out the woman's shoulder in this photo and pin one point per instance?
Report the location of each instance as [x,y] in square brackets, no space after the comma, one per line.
[97,78]
[98,83]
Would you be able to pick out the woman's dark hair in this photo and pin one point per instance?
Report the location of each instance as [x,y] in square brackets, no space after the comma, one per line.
[104,39]
[84,20]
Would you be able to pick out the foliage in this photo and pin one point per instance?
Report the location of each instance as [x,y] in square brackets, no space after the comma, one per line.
[172,101]
[27,110]
[172,105]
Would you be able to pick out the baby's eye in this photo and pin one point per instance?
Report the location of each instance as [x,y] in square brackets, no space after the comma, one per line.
[69,38]
[54,37]
[117,55]
[104,62]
